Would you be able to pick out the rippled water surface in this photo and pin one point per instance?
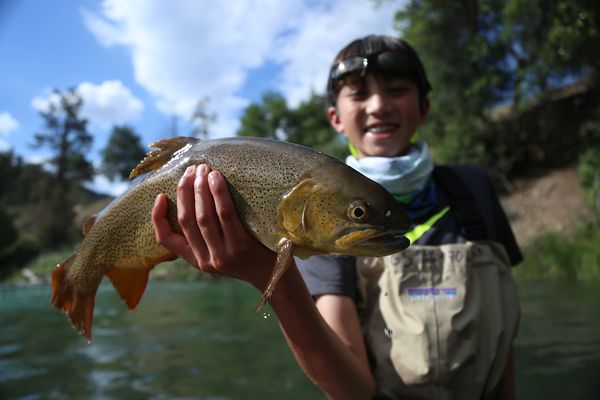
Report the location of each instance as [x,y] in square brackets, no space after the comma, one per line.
[204,341]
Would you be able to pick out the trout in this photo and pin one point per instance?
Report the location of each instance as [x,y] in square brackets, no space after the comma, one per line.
[294,200]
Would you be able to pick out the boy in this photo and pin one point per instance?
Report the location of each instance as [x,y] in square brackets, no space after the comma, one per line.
[435,321]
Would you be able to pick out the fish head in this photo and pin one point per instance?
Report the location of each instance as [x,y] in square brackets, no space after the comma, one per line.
[335,209]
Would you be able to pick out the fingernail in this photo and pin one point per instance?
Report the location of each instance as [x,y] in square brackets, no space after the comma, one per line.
[212,178]
[202,170]
[189,170]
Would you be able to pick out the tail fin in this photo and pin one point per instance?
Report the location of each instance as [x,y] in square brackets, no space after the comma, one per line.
[79,307]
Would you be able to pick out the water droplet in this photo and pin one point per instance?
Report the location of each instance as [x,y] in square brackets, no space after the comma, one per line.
[388,332]
[385,293]
[266,315]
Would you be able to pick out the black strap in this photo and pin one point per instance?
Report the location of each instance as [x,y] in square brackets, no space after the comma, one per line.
[461,201]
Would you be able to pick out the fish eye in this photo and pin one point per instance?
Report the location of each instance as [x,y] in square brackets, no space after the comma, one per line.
[357,211]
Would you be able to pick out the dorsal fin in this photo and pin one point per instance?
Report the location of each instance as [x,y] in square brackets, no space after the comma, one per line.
[157,158]
[88,223]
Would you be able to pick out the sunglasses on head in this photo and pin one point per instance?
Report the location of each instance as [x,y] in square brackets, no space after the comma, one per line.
[395,63]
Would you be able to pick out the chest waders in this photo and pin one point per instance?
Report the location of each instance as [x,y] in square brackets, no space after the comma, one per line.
[439,320]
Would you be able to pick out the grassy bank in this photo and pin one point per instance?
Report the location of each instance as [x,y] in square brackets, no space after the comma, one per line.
[550,256]
[574,257]
[43,265]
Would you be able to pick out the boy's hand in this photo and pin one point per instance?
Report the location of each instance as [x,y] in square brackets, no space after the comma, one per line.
[214,239]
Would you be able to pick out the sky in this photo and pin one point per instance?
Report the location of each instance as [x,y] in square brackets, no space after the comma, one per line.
[146,64]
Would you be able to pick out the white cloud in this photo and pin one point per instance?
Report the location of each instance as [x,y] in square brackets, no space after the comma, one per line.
[320,33]
[109,103]
[4,145]
[185,50]
[37,158]
[8,124]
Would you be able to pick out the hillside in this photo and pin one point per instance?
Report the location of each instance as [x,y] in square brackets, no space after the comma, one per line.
[552,203]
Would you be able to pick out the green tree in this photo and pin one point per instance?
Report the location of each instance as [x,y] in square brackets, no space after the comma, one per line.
[463,55]
[8,164]
[8,238]
[8,232]
[306,124]
[548,41]
[20,196]
[122,153]
[67,136]
[266,119]
[481,54]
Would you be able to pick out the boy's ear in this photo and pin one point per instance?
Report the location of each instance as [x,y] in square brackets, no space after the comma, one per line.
[334,119]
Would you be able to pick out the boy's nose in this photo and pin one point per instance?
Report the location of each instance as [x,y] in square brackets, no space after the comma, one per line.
[376,103]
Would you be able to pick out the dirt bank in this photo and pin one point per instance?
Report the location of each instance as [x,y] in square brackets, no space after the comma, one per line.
[551,203]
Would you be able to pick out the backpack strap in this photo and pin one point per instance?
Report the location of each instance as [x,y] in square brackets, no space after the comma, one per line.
[461,201]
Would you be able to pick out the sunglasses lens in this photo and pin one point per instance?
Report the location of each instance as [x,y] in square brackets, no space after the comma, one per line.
[348,67]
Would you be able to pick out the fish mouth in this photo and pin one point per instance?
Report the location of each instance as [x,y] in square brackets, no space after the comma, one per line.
[387,239]
[371,238]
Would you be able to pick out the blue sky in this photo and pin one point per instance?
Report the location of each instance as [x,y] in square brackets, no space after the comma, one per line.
[144,63]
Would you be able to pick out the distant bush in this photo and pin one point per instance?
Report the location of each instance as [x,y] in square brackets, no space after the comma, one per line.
[574,257]
[43,264]
[588,171]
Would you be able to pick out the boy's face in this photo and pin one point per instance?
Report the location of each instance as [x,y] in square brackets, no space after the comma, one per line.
[379,116]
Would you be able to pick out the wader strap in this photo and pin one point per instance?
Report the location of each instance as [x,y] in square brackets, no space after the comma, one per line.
[419,230]
[461,201]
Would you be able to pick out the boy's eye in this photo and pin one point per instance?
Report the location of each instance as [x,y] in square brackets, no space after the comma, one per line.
[398,89]
[359,92]
[356,90]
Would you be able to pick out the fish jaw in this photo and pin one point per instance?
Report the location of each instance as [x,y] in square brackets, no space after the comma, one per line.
[371,242]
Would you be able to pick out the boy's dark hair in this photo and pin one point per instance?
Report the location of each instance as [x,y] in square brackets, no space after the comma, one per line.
[375,44]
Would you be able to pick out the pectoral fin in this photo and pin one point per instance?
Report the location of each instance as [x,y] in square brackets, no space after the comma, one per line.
[285,252]
[292,209]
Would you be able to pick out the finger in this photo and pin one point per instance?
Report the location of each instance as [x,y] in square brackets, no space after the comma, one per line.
[186,215]
[164,233]
[206,216]
[234,231]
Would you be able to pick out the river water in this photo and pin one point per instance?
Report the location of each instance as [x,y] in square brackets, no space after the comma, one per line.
[203,340]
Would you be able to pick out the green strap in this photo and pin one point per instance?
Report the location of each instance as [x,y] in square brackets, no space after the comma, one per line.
[419,230]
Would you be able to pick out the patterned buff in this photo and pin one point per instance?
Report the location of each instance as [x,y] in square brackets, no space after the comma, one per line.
[407,177]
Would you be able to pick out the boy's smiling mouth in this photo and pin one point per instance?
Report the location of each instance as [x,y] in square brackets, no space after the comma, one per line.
[381,128]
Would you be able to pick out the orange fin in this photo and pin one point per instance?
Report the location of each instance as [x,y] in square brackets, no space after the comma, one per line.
[130,283]
[88,223]
[285,252]
[78,306]
[157,158]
